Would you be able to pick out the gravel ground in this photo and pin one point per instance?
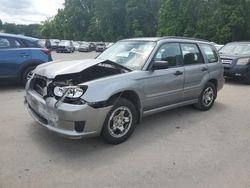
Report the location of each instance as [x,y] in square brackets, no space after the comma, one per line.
[177,148]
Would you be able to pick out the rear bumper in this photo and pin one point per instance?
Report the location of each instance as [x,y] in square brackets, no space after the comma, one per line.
[71,121]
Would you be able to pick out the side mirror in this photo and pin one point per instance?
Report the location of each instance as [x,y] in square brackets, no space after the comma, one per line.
[159,65]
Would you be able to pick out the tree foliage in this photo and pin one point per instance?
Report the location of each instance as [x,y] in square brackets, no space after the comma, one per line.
[216,20]
[107,20]
[220,21]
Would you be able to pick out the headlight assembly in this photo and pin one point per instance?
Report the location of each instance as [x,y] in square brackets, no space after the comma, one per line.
[243,61]
[70,92]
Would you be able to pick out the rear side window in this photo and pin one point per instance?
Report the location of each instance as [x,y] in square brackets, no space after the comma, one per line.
[191,54]
[4,43]
[210,53]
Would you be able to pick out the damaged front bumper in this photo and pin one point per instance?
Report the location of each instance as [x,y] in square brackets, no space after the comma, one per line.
[71,121]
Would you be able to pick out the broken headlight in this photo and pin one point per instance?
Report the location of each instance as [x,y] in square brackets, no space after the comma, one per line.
[70,92]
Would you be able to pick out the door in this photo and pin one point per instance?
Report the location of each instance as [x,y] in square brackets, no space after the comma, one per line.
[215,68]
[196,70]
[11,56]
[165,87]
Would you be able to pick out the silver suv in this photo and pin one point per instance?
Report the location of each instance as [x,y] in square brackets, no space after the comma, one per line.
[133,78]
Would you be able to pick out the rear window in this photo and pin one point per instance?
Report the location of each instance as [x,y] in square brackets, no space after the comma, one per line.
[210,53]
[191,54]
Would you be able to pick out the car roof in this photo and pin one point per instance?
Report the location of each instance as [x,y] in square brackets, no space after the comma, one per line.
[156,39]
[18,36]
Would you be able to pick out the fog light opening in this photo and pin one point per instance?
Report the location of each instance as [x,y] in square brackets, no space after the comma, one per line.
[79,126]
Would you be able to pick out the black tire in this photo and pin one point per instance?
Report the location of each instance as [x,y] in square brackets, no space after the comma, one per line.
[203,103]
[108,132]
[26,73]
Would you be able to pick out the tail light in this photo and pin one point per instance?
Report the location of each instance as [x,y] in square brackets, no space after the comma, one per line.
[46,51]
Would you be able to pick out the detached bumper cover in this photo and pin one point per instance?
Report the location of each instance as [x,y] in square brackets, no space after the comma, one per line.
[64,118]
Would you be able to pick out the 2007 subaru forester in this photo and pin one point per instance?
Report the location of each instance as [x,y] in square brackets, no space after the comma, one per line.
[134,78]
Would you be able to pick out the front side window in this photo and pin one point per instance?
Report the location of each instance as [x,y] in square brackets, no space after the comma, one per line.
[191,54]
[210,53]
[130,54]
[4,43]
[170,53]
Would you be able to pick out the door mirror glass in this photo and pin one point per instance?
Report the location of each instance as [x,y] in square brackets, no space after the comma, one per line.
[159,65]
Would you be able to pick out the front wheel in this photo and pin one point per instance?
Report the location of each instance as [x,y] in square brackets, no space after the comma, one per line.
[120,122]
[207,97]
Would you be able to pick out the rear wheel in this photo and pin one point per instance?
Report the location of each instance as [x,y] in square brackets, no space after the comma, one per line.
[120,122]
[26,75]
[207,97]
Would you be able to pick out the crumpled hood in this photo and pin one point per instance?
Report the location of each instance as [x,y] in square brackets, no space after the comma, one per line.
[54,68]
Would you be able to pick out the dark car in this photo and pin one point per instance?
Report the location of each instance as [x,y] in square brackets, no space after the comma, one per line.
[235,57]
[19,55]
[100,47]
[65,46]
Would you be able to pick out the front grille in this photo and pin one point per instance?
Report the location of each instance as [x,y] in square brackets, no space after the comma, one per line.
[227,61]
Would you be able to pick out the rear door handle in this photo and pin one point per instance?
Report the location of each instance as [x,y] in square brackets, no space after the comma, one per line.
[178,73]
[204,69]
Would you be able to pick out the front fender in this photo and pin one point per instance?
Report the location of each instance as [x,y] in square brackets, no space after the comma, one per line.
[103,90]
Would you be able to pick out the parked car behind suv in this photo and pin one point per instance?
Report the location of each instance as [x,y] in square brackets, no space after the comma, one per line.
[65,46]
[236,60]
[19,55]
[133,78]
[100,47]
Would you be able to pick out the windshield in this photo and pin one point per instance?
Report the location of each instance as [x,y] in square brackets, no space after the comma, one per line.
[236,49]
[64,43]
[130,54]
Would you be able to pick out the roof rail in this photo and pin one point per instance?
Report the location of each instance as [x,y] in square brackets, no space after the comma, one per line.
[188,38]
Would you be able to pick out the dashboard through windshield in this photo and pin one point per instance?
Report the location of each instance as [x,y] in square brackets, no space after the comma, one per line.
[130,54]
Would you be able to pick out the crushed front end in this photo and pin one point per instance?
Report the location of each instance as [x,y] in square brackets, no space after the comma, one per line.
[59,106]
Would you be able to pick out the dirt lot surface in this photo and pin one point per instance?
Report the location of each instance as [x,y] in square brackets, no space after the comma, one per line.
[178,148]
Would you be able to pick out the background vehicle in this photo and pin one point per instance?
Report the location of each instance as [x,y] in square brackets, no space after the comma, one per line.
[53,44]
[217,46]
[84,47]
[65,46]
[235,57]
[100,47]
[45,43]
[19,55]
[76,45]
[151,75]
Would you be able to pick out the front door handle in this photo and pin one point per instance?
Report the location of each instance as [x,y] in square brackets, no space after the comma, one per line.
[178,73]
[204,69]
